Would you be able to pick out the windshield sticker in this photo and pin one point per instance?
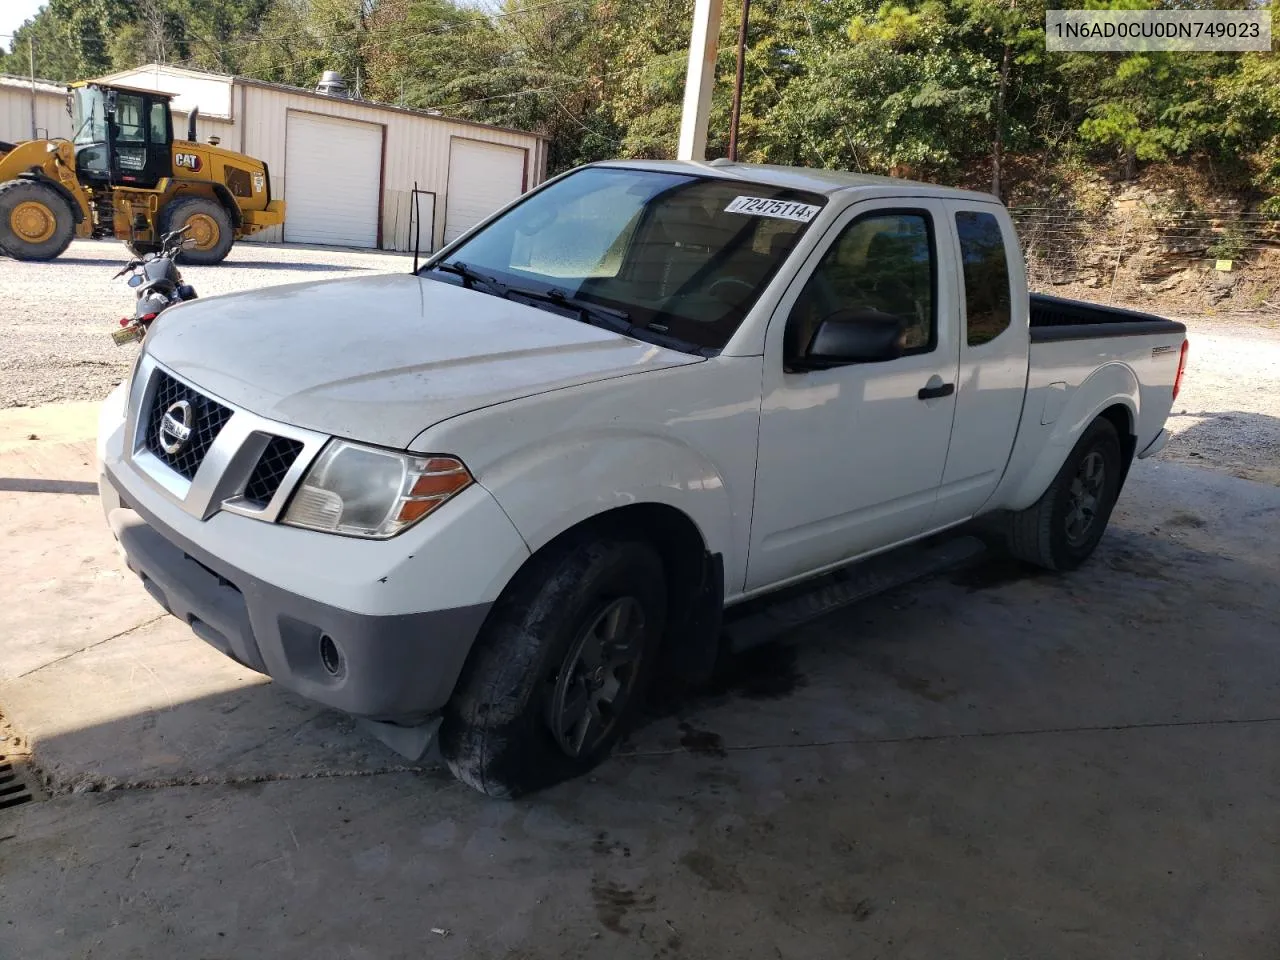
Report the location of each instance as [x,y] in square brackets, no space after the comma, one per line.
[764,207]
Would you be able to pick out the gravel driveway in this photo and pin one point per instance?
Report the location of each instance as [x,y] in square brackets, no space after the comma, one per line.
[56,318]
[1228,414]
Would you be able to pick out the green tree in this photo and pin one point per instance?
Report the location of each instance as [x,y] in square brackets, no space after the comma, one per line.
[887,93]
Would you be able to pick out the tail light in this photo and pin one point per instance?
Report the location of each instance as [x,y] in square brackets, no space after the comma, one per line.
[1182,366]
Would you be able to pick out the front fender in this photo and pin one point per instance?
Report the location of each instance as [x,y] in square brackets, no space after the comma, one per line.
[552,485]
[1112,384]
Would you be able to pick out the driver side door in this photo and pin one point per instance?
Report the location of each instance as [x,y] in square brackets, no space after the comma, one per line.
[851,458]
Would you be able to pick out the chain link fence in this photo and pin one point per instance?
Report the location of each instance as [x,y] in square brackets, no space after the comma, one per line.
[1138,254]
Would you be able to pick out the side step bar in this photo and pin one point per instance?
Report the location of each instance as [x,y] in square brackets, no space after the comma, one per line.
[754,622]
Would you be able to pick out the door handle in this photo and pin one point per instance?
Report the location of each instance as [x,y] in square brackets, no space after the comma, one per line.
[933,393]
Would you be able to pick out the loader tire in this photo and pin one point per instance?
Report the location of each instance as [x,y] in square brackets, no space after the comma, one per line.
[211,229]
[1061,529]
[36,223]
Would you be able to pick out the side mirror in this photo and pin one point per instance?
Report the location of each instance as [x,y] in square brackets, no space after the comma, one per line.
[855,336]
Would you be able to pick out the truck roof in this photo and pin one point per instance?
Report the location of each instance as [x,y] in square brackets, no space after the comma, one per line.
[826,182]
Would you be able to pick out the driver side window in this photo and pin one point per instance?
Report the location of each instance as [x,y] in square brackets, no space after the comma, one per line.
[882,263]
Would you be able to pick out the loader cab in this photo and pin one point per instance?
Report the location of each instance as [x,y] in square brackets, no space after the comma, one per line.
[124,137]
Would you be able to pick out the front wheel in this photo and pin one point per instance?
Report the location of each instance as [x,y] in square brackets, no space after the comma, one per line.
[559,669]
[1061,529]
[36,222]
[211,233]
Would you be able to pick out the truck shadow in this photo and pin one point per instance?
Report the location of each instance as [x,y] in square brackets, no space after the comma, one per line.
[81,488]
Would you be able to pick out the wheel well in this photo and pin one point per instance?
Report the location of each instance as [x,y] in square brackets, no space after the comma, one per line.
[676,538]
[1121,419]
[229,204]
[695,578]
[77,215]
[194,190]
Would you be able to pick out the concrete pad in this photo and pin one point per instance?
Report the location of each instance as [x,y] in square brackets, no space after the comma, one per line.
[157,705]
[1137,844]
[990,763]
[62,586]
[51,423]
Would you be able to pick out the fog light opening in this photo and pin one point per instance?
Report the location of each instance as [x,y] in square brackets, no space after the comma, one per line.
[330,656]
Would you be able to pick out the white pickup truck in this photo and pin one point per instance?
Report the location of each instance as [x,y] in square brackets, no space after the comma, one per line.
[487,502]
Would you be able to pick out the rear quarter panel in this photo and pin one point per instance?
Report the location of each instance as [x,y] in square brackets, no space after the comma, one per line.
[1070,382]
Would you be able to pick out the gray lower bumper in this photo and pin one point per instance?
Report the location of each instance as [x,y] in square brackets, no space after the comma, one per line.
[1156,445]
[394,668]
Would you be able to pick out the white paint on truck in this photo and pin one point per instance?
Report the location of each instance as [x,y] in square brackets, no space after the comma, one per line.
[710,394]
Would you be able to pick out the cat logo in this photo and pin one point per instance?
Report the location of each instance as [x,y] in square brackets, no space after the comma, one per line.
[188,161]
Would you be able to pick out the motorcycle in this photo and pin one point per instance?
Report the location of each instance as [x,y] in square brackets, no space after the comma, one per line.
[158,284]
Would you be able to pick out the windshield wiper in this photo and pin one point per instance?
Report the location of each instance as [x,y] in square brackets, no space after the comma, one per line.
[610,318]
[617,320]
[470,276]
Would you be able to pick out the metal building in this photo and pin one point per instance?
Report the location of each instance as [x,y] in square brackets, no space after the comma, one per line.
[345,167]
[22,101]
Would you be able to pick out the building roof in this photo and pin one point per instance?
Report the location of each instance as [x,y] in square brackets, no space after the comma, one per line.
[42,86]
[144,91]
[825,182]
[304,92]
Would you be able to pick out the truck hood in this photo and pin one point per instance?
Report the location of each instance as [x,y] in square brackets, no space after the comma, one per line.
[381,359]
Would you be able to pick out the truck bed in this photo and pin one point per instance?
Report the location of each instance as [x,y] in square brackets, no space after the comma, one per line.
[1057,318]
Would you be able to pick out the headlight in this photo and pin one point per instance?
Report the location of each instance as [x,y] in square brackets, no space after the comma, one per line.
[368,492]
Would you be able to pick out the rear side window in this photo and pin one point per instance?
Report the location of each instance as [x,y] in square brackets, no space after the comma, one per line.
[986,276]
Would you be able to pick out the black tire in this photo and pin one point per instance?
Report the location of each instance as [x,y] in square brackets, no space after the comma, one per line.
[211,217]
[42,213]
[497,731]
[1061,529]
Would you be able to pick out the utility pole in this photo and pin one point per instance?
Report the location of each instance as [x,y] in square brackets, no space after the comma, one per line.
[737,83]
[31,59]
[700,79]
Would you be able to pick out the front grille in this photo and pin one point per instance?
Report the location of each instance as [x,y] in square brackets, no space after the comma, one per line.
[270,470]
[209,419]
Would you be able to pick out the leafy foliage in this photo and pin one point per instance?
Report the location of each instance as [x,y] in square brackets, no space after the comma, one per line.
[929,88]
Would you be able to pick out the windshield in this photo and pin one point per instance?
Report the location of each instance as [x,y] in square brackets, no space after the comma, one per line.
[88,114]
[680,256]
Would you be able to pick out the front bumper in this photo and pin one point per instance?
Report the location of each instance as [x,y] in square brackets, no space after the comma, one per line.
[399,667]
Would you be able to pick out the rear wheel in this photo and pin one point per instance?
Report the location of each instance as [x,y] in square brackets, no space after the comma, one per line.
[211,233]
[1061,529]
[36,222]
[559,669]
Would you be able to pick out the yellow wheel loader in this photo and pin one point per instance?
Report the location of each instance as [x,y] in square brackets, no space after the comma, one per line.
[124,175]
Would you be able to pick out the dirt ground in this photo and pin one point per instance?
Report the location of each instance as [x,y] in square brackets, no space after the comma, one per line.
[989,763]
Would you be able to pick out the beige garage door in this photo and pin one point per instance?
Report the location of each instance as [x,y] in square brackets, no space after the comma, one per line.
[331,180]
[482,178]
